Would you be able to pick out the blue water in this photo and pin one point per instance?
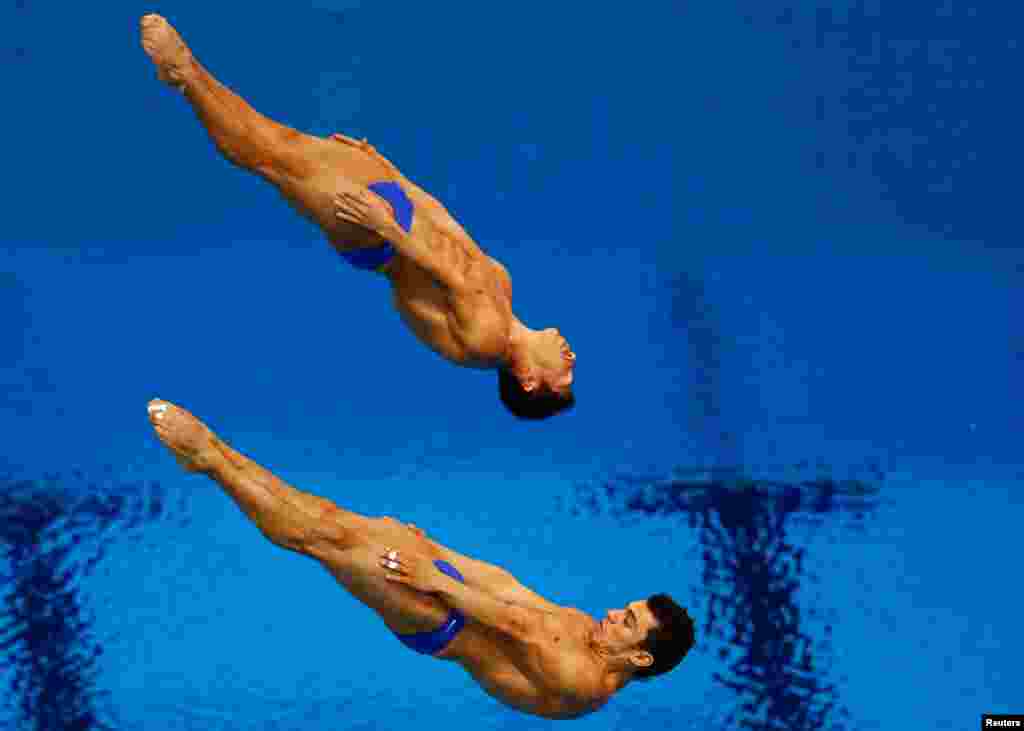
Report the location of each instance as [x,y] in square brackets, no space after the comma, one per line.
[783,241]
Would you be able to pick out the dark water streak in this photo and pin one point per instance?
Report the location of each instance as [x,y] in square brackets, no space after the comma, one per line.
[752,573]
[54,532]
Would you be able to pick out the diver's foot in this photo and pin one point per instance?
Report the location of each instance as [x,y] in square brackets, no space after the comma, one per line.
[170,54]
[191,442]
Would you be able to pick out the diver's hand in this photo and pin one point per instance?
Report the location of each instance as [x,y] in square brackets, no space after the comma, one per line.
[411,569]
[356,204]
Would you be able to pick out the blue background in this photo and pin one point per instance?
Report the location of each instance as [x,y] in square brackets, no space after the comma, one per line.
[781,239]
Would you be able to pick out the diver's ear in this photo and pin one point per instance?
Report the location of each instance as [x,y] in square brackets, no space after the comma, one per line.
[641,659]
[529,382]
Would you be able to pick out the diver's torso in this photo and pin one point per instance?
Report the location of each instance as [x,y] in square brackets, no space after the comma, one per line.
[468,327]
[492,661]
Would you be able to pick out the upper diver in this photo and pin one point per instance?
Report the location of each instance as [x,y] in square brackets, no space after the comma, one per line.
[454,297]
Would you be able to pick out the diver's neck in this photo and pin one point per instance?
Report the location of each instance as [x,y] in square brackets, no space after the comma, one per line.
[614,670]
[518,344]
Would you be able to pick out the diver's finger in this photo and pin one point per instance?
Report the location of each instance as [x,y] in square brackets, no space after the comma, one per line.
[355,199]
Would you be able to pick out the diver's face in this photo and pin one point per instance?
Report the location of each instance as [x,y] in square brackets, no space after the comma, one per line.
[556,362]
[624,629]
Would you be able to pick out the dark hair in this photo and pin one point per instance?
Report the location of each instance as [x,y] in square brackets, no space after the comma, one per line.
[527,405]
[670,641]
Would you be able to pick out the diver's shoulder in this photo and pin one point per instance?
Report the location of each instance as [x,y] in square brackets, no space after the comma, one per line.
[586,697]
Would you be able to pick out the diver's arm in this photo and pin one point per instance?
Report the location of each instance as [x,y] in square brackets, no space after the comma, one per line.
[494,580]
[535,647]
[516,621]
[416,570]
[431,247]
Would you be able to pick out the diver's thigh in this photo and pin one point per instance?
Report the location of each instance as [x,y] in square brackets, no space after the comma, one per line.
[351,162]
[306,171]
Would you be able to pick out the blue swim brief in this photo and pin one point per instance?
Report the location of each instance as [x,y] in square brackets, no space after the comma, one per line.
[432,642]
[377,257]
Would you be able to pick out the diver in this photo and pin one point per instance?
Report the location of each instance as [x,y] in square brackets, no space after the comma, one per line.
[534,655]
[455,298]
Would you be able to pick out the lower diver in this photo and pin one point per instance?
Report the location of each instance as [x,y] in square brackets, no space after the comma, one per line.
[531,654]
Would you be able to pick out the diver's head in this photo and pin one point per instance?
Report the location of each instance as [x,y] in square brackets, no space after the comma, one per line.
[646,638]
[537,381]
